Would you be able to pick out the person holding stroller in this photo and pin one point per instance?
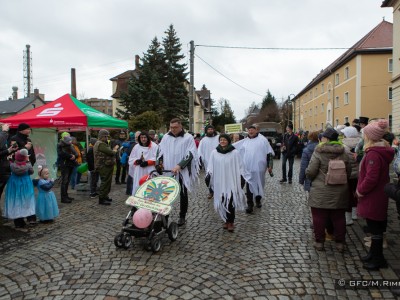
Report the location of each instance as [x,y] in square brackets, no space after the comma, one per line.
[224,172]
[178,153]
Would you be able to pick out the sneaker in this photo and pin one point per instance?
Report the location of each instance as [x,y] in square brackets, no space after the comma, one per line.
[93,195]
[210,196]
[104,202]
[282,180]
[181,221]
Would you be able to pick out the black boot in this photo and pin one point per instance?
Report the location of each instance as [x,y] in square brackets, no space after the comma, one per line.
[367,257]
[377,260]
[104,201]
[258,202]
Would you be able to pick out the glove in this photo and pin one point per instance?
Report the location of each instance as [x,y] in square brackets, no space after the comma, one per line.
[159,169]
[138,162]
[144,164]
[207,179]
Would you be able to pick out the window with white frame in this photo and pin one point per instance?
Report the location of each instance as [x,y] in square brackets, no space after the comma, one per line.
[337,101]
[337,122]
[346,98]
[346,73]
[336,78]
[390,65]
[329,115]
[390,93]
[346,120]
[322,107]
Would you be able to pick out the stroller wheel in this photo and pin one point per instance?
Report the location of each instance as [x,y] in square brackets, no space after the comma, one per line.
[127,241]
[156,245]
[173,231]
[118,240]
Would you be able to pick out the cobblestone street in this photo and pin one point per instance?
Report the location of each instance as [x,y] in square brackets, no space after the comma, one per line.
[269,256]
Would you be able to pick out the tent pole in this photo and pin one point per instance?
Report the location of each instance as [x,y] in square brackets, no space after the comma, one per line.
[87,139]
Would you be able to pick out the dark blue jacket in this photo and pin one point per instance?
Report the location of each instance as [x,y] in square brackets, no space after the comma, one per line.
[305,159]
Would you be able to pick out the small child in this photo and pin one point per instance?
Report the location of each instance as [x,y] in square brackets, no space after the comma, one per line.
[20,196]
[46,202]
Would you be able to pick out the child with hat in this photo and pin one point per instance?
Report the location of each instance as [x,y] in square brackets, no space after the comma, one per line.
[20,196]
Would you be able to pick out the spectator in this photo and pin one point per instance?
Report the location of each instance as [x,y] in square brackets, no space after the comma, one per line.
[94,176]
[289,148]
[67,162]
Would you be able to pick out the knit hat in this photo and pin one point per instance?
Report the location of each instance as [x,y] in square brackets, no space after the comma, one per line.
[23,126]
[93,141]
[330,134]
[64,134]
[376,130]
[21,155]
[225,136]
[67,139]
[103,133]
[131,134]
[350,132]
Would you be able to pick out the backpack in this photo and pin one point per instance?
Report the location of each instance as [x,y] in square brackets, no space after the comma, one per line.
[336,172]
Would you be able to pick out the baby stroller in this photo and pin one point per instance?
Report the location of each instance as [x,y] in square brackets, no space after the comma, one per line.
[151,205]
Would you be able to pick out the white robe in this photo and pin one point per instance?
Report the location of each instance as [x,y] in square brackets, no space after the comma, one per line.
[206,146]
[225,170]
[136,171]
[174,150]
[254,152]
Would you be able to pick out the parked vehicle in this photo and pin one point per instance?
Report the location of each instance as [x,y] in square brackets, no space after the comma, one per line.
[273,132]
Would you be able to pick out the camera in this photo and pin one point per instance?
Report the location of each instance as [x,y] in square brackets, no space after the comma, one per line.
[14,146]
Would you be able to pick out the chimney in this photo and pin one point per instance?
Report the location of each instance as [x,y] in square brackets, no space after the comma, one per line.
[15,93]
[36,93]
[73,82]
[137,58]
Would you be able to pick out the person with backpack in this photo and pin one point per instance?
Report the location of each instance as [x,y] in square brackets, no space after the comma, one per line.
[372,201]
[329,170]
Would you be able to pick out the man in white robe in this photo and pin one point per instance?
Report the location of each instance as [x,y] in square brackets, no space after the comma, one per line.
[207,144]
[178,153]
[256,152]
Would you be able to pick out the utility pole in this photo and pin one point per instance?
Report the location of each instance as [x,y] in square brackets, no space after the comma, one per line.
[191,88]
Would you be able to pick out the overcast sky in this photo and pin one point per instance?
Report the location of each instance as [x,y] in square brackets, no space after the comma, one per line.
[100,39]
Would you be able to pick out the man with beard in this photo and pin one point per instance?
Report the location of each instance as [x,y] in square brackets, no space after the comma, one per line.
[207,144]
[256,152]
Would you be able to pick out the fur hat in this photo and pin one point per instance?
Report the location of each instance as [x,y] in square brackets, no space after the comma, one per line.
[225,136]
[23,126]
[350,132]
[103,132]
[376,130]
[21,155]
[330,134]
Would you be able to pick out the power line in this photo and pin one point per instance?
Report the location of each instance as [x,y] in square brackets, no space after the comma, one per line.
[275,48]
[228,77]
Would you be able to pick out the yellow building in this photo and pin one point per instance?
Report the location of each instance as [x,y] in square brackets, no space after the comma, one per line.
[358,83]
[396,64]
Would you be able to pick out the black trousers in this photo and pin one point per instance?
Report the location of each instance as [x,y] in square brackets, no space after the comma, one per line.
[230,215]
[66,172]
[285,158]
[184,201]
[376,227]
[94,179]
[129,185]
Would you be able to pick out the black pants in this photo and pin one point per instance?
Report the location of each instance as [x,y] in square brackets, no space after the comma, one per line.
[118,172]
[285,158]
[230,215]
[184,201]
[94,179]
[250,196]
[66,172]
[376,227]
[129,185]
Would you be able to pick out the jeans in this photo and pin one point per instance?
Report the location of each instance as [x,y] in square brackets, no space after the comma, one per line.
[291,161]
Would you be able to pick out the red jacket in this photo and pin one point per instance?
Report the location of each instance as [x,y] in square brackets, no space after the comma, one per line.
[374,174]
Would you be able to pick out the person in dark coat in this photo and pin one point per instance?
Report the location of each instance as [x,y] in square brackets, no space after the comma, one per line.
[94,176]
[289,150]
[305,159]
[372,201]
[67,161]
[5,151]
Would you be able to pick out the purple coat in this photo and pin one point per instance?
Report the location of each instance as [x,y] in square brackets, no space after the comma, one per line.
[374,174]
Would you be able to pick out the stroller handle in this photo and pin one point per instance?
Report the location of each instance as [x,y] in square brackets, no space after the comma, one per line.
[163,171]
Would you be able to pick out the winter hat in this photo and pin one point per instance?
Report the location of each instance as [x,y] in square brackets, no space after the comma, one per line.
[225,136]
[67,139]
[93,141]
[64,134]
[23,126]
[330,134]
[376,130]
[363,120]
[350,132]
[103,133]
[21,155]
[131,135]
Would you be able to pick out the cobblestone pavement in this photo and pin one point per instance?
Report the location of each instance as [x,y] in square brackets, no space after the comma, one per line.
[269,256]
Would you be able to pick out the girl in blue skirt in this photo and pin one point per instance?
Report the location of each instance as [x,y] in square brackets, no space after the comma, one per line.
[46,202]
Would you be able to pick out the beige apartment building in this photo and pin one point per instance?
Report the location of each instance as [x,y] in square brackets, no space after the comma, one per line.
[103,105]
[358,83]
[396,64]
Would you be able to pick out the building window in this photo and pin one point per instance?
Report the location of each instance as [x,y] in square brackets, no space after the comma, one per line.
[336,78]
[316,109]
[322,88]
[310,112]
[310,95]
[337,101]
[316,92]
[316,126]
[346,73]
[390,94]
[322,126]
[329,115]
[346,98]
[329,94]
[322,107]
[390,65]
[337,122]
[346,120]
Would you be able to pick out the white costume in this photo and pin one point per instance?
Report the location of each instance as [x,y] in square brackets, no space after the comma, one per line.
[225,170]
[174,150]
[136,171]
[206,146]
[254,152]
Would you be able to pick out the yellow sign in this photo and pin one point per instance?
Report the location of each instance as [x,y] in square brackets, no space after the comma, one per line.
[156,195]
[233,128]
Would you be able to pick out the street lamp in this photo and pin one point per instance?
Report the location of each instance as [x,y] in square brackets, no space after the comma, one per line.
[289,102]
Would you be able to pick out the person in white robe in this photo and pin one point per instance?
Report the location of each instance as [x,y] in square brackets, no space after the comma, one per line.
[257,153]
[178,153]
[224,172]
[142,159]
[207,144]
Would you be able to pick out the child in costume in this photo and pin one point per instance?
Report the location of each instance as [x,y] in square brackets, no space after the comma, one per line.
[46,202]
[20,196]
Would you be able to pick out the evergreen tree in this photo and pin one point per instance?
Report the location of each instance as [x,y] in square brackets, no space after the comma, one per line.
[223,114]
[268,100]
[174,92]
